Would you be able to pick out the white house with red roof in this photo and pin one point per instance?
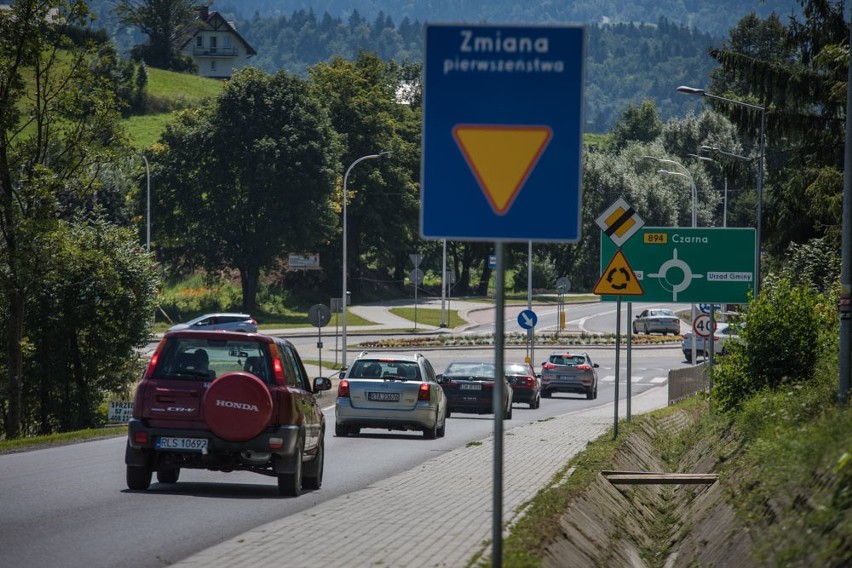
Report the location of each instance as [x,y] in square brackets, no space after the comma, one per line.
[216,46]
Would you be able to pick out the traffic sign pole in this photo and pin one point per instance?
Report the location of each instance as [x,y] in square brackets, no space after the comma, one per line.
[497,401]
[629,354]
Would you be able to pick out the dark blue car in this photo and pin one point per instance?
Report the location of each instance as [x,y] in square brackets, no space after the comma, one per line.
[469,387]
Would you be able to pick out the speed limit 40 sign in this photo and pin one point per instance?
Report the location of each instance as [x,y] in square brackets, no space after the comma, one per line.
[703,325]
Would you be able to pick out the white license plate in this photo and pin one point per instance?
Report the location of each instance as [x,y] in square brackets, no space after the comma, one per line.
[471,387]
[182,444]
[383,396]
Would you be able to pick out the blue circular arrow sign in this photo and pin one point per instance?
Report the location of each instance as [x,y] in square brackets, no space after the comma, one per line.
[527,319]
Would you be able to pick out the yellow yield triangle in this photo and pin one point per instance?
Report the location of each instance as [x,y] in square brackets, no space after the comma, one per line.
[501,157]
[618,279]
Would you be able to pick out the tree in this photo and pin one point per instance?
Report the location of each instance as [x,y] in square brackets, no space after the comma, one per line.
[637,124]
[798,74]
[384,200]
[165,22]
[246,179]
[88,316]
[58,127]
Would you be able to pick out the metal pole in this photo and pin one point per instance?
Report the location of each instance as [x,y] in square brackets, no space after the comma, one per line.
[762,151]
[344,299]
[529,301]
[617,363]
[629,355]
[759,204]
[497,521]
[845,365]
[444,287]
[319,348]
[148,207]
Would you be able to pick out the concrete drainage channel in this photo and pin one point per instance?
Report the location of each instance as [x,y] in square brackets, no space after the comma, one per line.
[641,516]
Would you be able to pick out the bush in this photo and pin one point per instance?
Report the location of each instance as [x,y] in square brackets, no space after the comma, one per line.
[544,275]
[194,297]
[788,329]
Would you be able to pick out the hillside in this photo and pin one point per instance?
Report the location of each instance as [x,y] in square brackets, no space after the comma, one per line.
[715,18]
[166,93]
[637,51]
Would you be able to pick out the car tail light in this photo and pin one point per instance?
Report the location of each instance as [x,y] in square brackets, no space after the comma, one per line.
[276,443]
[152,364]
[584,367]
[140,437]
[253,321]
[530,381]
[548,366]
[424,393]
[343,389]
[277,366]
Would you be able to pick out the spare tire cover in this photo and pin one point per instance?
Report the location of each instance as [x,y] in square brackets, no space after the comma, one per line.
[237,406]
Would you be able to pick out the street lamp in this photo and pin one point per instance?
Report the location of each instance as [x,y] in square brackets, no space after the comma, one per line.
[725,154]
[725,200]
[343,297]
[688,176]
[147,207]
[762,142]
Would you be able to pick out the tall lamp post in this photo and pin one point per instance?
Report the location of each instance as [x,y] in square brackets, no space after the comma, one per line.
[685,174]
[725,154]
[147,206]
[343,298]
[762,145]
[688,176]
[725,195]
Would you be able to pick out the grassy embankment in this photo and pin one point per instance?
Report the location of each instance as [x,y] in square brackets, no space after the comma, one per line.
[785,466]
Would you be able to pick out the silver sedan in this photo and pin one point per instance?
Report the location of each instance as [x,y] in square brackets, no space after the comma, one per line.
[390,392]
[659,320]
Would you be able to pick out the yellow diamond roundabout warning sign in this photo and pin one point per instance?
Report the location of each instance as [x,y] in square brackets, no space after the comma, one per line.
[618,279]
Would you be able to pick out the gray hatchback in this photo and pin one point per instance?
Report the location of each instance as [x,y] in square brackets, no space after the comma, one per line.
[569,372]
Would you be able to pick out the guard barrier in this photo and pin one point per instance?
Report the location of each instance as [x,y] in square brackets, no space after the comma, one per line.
[687,381]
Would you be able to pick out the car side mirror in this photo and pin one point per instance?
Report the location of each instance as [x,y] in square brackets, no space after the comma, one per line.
[595,365]
[322,384]
[441,379]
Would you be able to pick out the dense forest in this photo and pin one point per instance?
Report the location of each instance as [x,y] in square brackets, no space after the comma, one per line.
[715,18]
[626,63]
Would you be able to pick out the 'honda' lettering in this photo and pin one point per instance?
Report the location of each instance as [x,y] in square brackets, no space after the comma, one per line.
[240,405]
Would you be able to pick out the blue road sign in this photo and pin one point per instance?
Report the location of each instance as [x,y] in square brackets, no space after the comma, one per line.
[502,132]
[706,308]
[527,319]
[492,261]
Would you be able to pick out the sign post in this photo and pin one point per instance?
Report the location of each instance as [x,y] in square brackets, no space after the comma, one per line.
[619,222]
[502,134]
[681,264]
[319,315]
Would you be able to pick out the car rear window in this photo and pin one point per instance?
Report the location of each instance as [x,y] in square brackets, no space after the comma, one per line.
[517,370]
[194,358]
[463,369]
[567,359]
[378,369]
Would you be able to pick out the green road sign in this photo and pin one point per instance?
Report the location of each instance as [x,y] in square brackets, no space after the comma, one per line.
[677,264]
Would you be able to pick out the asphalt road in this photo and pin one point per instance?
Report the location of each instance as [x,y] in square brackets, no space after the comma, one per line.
[68,506]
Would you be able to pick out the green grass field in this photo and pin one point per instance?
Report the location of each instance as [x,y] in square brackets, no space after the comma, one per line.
[168,92]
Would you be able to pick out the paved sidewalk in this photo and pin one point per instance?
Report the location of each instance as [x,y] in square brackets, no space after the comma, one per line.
[435,515]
